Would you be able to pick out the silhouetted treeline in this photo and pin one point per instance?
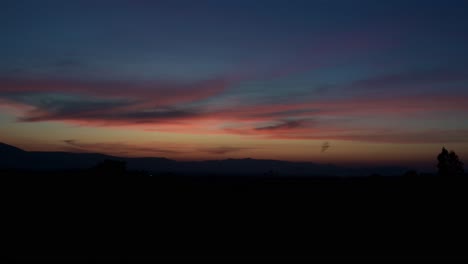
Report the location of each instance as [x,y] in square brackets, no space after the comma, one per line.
[449,164]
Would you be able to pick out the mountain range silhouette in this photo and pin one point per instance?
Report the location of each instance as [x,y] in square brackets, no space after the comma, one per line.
[15,158]
[7,149]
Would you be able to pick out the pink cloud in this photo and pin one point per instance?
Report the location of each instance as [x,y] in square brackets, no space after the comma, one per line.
[348,107]
[160,92]
[318,53]
[106,102]
[111,148]
[168,107]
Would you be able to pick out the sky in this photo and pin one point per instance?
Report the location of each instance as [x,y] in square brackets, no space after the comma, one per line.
[378,82]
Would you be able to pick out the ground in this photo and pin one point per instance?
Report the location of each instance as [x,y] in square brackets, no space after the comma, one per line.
[71,215]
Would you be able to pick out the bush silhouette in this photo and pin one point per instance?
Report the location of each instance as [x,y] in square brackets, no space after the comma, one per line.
[449,164]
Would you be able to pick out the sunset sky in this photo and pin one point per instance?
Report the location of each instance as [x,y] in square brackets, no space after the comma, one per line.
[383,82]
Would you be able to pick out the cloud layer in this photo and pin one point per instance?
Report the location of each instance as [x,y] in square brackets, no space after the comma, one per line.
[188,108]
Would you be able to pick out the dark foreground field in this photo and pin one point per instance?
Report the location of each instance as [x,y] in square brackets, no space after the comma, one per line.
[65,216]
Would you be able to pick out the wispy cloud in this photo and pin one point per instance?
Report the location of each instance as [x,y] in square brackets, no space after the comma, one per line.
[157,92]
[117,148]
[106,102]
[416,78]
[319,53]
[283,125]
[409,137]
[325,146]
[223,150]
[185,108]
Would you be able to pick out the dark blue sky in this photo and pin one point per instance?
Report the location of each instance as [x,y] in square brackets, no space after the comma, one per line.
[202,39]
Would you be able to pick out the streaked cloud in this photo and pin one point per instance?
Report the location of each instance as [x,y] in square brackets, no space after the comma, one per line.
[283,125]
[320,119]
[118,148]
[223,150]
[325,146]
[416,78]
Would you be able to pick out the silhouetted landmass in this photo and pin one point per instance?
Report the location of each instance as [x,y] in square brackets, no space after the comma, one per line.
[13,158]
[7,149]
[109,211]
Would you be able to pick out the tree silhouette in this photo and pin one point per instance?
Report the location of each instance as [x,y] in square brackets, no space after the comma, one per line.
[449,164]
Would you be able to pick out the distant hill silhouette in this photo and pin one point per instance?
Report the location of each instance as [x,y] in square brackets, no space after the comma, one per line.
[15,158]
[7,149]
